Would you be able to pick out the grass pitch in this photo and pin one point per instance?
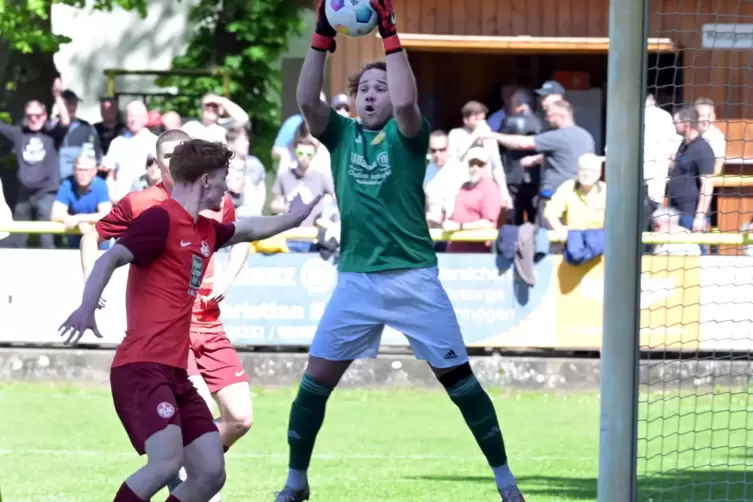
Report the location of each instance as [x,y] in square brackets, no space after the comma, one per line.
[64,443]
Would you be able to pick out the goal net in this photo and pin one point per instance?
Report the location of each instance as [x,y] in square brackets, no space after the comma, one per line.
[695,410]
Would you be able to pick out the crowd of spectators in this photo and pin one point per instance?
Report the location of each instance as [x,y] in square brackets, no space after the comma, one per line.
[528,162]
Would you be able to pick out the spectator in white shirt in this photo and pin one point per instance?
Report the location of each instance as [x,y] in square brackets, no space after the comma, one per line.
[715,137]
[126,157]
[474,129]
[660,142]
[214,125]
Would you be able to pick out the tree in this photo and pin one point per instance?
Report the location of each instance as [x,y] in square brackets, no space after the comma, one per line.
[27,45]
[245,38]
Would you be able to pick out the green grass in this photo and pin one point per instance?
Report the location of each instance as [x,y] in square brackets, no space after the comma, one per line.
[64,443]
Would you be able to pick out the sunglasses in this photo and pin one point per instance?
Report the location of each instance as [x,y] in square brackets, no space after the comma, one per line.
[438,150]
[304,153]
[34,116]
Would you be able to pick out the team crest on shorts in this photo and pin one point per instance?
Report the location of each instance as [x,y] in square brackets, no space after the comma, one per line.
[205,251]
[165,409]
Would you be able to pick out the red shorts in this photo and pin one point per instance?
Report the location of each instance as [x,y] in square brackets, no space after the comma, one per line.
[150,396]
[212,356]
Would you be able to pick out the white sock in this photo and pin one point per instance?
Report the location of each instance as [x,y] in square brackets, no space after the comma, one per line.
[297,480]
[503,476]
[216,498]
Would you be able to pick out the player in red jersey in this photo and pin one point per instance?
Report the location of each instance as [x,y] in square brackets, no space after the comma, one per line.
[213,365]
[170,246]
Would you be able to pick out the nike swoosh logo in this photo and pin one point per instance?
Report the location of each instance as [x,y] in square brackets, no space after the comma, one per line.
[239,373]
[184,244]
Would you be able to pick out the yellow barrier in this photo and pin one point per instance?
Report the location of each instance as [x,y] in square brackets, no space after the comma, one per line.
[715,238]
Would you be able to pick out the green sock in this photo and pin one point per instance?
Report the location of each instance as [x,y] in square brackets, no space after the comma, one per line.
[306,417]
[478,412]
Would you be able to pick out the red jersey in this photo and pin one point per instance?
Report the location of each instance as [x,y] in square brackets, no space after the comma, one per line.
[206,316]
[171,252]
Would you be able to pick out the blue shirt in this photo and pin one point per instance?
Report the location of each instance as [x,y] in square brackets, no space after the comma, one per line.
[495,119]
[286,134]
[79,203]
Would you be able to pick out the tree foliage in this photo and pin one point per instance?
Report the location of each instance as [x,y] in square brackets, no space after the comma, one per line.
[24,24]
[245,38]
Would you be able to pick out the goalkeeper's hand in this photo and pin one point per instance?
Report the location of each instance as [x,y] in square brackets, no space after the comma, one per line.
[387,28]
[324,35]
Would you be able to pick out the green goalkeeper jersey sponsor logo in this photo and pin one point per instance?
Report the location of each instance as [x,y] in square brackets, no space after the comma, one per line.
[379,185]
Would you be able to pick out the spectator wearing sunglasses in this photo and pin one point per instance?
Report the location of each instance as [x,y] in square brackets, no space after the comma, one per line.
[301,180]
[36,145]
[151,177]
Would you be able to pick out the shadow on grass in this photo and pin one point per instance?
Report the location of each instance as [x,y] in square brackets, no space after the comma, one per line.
[686,486]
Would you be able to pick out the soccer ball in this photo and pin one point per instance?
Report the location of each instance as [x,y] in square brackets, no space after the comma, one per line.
[352,18]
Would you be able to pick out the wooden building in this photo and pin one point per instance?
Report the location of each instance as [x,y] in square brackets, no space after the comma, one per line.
[467,49]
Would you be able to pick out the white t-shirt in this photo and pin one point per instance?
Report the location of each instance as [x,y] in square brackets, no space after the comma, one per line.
[197,130]
[127,157]
[717,141]
[443,188]
[660,141]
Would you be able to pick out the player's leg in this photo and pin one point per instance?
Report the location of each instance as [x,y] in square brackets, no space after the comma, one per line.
[427,318]
[349,329]
[194,375]
[203,456]
[144,399]
[227,381]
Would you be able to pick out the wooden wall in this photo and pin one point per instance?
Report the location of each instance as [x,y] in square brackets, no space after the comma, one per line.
[724,76]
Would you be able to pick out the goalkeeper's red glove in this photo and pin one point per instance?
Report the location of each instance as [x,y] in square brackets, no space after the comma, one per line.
[387,28]
[324,35]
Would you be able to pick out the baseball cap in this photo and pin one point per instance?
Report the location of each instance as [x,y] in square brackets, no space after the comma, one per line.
[550,87]
[477,153]
[340,100]
[69,95]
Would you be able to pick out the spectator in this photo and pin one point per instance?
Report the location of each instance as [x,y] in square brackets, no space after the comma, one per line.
[246,177]
[150,178]
[36,147]
[342,105]
[690,178]
[660,141]
[559,149]
[495,119]
[287,134]
[214,124]
[171,121]
[110,127]
[442,182]
[522,184]
[666,221]
[154,122]
[303,181]
[82,199]
[715,137]
[475,132]
[126,158]
[579,204]
[81,136]
[321,161]
[477,205]
[550,92]
[5,213]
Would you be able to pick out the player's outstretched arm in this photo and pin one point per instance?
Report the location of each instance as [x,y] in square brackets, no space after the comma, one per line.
[256,228]
[311,80]
[400,78]
[82,318]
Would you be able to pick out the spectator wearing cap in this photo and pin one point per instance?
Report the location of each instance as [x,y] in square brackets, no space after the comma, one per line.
[218,114]
[522,183]
[477,204]
[150,178]
[287,135]
[81,137]
[342,105]
[82,199]
[579,204]
[550,92]
[110,127]
[126,158]
[36,144]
